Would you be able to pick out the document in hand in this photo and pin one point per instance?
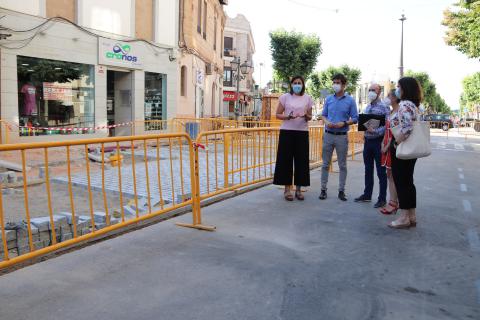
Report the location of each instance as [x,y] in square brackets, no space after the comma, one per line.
[372,124]
[363,118]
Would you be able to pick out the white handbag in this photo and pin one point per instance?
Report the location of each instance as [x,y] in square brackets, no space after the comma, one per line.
[417,145]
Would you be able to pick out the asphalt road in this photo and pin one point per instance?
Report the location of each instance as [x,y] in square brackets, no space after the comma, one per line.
[275,260]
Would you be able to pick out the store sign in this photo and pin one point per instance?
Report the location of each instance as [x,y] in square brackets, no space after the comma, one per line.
[57,91]
[200,77]
[229,96]
[116,53]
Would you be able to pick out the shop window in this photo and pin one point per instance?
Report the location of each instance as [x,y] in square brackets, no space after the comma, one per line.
[227,77]
[55,94]
[183,81]
[155,101]
[199,17]
[205,15]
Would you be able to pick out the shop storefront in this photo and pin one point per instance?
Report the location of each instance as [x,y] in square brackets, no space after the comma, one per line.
[67,84]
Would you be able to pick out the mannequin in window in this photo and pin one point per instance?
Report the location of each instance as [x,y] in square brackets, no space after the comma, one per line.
[29,99]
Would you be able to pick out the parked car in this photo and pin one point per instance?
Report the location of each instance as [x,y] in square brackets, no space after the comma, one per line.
[439,121]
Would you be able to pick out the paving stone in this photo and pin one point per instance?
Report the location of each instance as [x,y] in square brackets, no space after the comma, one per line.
[41,222]
[66,236]
[9,235]
[100,217]
[68,215]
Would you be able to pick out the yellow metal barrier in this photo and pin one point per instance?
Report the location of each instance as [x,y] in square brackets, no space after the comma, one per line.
[80,197]
[5,130]
[90,187]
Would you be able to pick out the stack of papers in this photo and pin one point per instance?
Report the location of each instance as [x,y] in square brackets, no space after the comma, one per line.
[372,124]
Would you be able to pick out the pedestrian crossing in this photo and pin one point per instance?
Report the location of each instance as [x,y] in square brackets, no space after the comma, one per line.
[459,147]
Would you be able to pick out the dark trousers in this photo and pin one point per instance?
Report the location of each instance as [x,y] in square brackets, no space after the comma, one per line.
[292,153]
[402,172]
[372,154]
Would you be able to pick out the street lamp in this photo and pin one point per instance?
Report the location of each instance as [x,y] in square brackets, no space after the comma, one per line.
[240,70]
[403,18]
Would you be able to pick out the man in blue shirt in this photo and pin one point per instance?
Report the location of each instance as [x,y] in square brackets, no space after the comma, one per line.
[339,112]
[372,150]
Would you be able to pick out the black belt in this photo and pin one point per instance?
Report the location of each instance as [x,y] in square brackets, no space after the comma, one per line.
[336,133]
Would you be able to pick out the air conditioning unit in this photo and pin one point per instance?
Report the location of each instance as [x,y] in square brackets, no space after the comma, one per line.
[209,68]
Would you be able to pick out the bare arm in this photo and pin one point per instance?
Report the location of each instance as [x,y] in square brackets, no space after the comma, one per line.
[280,112]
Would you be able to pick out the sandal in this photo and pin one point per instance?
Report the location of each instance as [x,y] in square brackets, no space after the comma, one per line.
[413,220]
[394,208]
[288,196]
[299,195]
[396,225]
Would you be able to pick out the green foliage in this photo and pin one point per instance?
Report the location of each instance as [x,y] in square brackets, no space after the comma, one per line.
[293,53]
[464,27]
[432,101]
[471,92]
[51,71]
[322,81]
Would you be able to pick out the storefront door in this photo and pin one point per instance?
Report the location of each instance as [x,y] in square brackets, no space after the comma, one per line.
[119,102]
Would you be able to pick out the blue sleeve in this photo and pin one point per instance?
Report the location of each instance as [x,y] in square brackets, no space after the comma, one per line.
[353,111]
[325,109]
[381,130]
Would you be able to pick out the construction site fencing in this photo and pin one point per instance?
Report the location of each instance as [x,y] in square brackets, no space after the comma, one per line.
[57,194]
[63,193]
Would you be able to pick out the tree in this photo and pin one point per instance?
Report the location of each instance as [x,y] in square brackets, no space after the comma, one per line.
[471,92]
[321,82]
[293,53]
[432,101]
[464,27]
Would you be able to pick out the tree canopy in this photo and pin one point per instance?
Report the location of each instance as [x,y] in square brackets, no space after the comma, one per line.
[294,53]
[321,82]
[464,27]
[471,92]
[432,100]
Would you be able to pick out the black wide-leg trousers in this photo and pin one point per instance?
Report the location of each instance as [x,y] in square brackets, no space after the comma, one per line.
[402,172]
[292,159]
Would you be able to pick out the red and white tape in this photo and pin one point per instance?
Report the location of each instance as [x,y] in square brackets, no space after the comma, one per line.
[124,124]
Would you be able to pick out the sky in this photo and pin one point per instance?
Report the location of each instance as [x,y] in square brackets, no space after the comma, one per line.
[365,34]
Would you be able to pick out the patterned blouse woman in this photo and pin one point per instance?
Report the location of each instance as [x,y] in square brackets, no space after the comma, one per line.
[410,94]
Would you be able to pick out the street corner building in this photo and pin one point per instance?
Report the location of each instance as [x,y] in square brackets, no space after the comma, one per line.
[88,69]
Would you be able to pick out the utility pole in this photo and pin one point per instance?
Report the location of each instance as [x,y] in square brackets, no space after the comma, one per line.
[403,18]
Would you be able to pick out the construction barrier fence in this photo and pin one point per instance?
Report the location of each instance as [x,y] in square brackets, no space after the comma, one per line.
[57,194]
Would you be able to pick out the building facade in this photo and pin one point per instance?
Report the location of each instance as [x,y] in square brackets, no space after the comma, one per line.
[109,62]
[200,88]
[239,46]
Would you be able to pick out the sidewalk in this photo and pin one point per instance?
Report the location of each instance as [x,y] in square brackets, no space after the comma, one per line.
[270,259]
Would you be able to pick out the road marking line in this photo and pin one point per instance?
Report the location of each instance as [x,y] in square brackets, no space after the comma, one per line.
[463,187]
[477,283]
[473,240]
[459,169]
[459,146]
[461,176]
[442,145]
[467,206]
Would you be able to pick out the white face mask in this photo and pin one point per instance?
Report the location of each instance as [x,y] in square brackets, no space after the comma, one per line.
[337,87]
[372,96]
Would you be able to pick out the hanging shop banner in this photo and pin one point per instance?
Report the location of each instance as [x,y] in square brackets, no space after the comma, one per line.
[117,53]
[229,96]
[57,91]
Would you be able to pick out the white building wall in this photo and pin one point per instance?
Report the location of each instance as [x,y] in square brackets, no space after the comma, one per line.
[166,22]
[32,7]
[66,43]
[113,16]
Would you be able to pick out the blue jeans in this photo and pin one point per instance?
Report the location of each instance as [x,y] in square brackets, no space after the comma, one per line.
[372,153]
